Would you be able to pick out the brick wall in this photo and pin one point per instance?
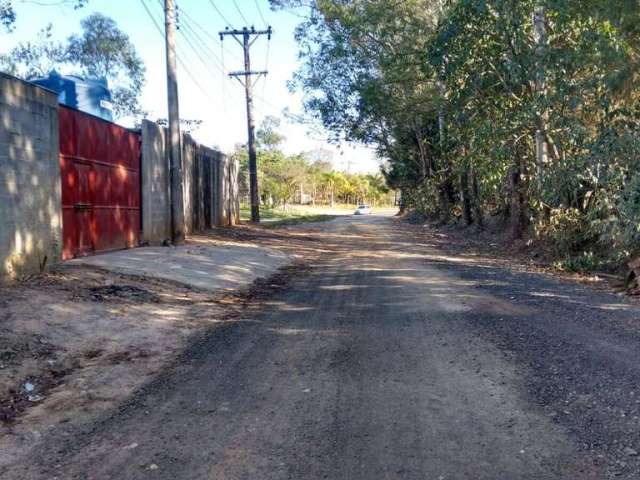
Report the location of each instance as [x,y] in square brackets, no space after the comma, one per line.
[30,211]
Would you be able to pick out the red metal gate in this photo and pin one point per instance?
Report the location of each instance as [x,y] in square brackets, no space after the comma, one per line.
[100,166]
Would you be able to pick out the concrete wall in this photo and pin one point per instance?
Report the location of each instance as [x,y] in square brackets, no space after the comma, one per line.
[223,186]
[234,192]
[209,193]
[189,151]
[30,203]
[156,214]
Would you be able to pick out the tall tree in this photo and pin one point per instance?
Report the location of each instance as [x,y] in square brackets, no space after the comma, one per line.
[35,58]
[103,50]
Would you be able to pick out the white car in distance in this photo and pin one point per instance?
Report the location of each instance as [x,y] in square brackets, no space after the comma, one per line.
[363,210]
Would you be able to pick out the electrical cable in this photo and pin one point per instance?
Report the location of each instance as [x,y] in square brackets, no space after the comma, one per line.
[178,58]
[204,31]
[190,35]
[223,81]
[260,13]
[266,67]
[241,14]
[215,7]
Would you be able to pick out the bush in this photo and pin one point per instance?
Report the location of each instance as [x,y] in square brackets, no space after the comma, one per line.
[579,263]
[565,232]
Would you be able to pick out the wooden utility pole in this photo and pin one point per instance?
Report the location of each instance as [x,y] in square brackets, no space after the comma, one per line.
[246,43]
[175,152]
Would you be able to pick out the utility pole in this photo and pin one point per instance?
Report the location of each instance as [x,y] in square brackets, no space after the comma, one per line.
[175,153]
[248,37]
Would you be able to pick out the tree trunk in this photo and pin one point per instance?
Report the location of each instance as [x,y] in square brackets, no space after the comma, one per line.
[445,187]
[464,196]
[445,191]
[517,212]
[477,204]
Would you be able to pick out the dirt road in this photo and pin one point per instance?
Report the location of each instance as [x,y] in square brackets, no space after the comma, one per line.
[386,359]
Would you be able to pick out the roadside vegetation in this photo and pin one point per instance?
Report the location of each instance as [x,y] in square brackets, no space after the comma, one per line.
[517,116]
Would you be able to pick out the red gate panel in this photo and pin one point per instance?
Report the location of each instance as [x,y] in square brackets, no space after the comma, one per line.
[100,167]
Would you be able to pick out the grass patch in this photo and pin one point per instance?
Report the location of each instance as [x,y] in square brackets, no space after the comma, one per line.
[277,217]
[298,220]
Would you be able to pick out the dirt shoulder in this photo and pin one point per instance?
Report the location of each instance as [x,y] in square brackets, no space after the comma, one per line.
[78,341]
[495,249]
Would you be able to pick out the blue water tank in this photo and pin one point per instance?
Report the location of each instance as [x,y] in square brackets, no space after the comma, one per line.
[89,95]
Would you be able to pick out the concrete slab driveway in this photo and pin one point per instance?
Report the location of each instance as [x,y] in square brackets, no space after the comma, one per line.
[201,263]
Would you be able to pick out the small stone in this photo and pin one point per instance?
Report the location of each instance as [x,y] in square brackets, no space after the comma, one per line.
[153,466]
[630,452]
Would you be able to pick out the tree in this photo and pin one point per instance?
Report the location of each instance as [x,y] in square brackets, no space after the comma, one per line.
[522,111]
[8,14]
[103,50]
[267,135]
[37,58]
[285,179]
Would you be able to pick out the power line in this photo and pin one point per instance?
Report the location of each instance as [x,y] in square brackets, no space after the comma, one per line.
[240,12]
[180,61]
[220,13]
[195,37]
[266,67]
[213,38]
[195,50]
[223,81]
[189,34]
[153,19]
[260,13]
[206,64]
[202,51]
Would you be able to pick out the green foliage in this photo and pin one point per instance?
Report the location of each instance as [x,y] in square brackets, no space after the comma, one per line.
[103,50]
[35,58]
[458,96]
[564,231]
[268,136]
[8,14]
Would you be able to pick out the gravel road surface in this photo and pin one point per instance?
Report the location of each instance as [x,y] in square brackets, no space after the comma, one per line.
[386,359]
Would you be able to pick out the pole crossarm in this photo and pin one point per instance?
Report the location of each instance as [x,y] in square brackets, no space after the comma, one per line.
[242,31]
[244,74]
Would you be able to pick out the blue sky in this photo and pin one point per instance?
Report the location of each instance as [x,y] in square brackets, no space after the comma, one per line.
[206,93]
